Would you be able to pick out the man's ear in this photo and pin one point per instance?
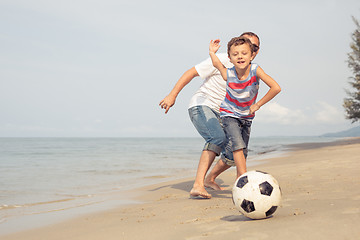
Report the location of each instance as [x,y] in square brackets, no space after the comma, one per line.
[253,56]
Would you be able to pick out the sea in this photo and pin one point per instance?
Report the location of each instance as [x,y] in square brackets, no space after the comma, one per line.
[47,180]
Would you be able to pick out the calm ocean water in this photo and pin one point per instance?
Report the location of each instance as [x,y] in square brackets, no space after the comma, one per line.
[47,178]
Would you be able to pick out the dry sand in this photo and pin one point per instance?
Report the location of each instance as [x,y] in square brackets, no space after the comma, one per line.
[321,200]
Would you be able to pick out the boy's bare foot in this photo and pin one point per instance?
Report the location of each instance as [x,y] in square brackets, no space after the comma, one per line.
[212,184]
[199,192]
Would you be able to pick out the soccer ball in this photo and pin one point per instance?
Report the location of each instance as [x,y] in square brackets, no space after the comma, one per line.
[256,194]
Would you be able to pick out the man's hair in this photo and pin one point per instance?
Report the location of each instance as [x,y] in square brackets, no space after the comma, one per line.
[251,34]
[239,41]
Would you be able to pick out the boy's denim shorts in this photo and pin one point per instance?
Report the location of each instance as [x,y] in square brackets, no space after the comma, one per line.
[207,123]
[237,133]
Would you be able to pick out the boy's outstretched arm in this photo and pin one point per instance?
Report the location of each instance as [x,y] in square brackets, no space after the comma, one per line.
[169,100]
[213,47]
[273,91]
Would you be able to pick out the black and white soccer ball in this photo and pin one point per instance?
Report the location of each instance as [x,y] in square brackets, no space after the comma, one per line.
[256,194]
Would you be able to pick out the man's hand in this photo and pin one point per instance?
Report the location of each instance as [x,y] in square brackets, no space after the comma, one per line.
[167,103]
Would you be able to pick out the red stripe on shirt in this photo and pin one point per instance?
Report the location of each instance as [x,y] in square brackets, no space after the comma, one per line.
[243,85]
[225,110]
[249,116]
[241,104]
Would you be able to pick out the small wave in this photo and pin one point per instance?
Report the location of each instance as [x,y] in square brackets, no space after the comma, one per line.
[66,208]
[6,207]
[111,172]
[266,151]
[157,177]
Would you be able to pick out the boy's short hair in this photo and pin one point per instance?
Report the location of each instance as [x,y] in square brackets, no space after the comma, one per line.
[240,41]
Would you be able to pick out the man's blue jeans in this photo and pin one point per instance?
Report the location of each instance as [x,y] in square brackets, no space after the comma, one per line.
[207,123]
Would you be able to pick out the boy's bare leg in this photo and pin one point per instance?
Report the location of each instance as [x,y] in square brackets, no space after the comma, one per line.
[240,162]
[216,171]
[206,159]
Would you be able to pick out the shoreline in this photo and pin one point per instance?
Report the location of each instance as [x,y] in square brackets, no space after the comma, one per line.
[24,215]
[315,145]
[308,174]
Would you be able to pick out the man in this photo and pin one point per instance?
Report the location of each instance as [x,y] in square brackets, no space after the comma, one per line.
[204,113]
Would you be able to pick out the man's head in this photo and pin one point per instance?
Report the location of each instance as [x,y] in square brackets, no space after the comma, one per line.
[254,39]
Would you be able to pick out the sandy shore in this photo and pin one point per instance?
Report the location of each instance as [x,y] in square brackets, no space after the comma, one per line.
[321,200]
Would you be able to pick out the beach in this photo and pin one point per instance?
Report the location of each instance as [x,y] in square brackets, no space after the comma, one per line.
[320,200]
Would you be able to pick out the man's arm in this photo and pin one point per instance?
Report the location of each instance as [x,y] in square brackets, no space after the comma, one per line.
[170,99]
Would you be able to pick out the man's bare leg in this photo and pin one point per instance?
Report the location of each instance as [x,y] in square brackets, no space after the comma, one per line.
[214,173]
[206,159]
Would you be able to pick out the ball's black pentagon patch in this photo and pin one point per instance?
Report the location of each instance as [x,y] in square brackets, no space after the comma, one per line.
[266,188]
[271,211]
[248,206]
[242,181]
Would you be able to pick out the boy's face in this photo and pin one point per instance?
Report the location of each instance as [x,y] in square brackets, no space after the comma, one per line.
[241,56]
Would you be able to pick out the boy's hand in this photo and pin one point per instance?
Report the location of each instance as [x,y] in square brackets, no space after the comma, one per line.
[167,103]
[254,108]
[214,46]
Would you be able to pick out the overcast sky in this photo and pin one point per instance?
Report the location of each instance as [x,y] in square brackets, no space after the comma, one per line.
[100,68]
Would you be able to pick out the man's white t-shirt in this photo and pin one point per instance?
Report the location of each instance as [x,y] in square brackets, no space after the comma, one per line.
[212,92]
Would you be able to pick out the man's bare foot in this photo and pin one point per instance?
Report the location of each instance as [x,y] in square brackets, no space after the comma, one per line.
[199,192]
[212,184]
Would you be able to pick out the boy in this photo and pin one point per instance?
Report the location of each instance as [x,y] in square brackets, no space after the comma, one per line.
[238,109]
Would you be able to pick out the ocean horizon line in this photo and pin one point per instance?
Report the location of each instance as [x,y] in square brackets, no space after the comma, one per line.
[182,137]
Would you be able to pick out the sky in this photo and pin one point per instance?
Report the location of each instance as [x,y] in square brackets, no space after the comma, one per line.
[100,68]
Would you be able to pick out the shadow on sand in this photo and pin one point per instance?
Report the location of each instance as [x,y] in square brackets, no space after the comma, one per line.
[187,186]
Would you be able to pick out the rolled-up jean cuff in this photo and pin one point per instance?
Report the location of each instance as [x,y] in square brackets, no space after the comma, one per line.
[212,147]
[227,161]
